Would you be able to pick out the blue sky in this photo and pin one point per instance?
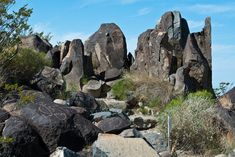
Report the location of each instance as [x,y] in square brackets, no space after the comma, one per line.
[69,19]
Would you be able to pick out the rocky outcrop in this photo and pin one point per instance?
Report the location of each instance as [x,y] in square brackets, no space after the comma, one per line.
[63,152]
[170,46]
[72,65]
[54,56]
[109,145]
[107,48]
[36,43]
[49,80]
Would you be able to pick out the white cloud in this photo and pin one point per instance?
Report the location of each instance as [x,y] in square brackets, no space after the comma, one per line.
[69,36]
[144,11]
[42,27]
[211,8]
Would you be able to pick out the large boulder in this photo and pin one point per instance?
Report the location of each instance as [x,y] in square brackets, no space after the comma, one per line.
[59,125]
[49,80]
[162,51]
[107,48]
[25,140]
[36,43]
[63,152]
[72,65]
[109,145]
[54,56]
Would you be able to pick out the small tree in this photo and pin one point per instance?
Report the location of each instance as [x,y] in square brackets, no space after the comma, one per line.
[12,25]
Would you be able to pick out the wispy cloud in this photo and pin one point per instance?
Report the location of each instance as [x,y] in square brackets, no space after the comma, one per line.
[223,49]
[144,11]
[195,24]
[42,27]
[211,8]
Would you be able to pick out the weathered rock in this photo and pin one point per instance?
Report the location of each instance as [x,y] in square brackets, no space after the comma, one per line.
[59,125]
[3,115]
[114,124]
[143,122]
[26,141]
[93,87]
[162,51]
[36,43]
[228,99]
[54,56]
[81,111]
[165,154]
[72,65]
[60,101]
[64,152]
[64,50]
[107,48]
[50,81]
[87,101]
[112,103]
[128,133]
[155,139]
[112,74]
[98,116]
[109,145]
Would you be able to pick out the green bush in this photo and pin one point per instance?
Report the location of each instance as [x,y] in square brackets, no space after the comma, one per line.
[193,123]
[122,87]
[24,66]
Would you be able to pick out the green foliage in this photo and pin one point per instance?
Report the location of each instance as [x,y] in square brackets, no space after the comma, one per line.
[84,80]
[154,102]
[24,98]
[6,140]
[25,65]
[121,88]
[193,123]
[42,35]
[12,26]
[223,88]
[143,110]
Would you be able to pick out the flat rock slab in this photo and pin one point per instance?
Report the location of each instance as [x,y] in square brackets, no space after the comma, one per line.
[109,145]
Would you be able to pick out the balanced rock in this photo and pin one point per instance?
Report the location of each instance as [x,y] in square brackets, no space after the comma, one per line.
[93,87]
[107,48]
[36,43]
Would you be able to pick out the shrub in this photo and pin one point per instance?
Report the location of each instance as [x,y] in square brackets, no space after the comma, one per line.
[24,66]
[121,88]
[193,123]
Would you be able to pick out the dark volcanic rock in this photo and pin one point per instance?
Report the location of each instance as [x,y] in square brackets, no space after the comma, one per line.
[114,124]
[49,80]
[59,125]
[112,74]
[54,56]
[26,141]
[3,115]
[64,50]
[162,51]
[72,64]
[36,43]
[107,48]
[87,101]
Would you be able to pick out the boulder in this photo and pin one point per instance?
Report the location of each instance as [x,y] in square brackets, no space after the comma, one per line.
[131,133]
[72,65]
[106,48]
[143,122]
[114,124]
[109,145]
[59,125]
[54,56]
[112,74]
[3,115]
[63,152]
[49,80]
[84,100]
[26,141]
[60,101]
[228,99]
[98,116]
[36,43]
[113,103]
[93,87]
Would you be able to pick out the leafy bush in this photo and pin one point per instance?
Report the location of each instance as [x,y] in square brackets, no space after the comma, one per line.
[193,123]
[24,66]
[122,87]
[223,88]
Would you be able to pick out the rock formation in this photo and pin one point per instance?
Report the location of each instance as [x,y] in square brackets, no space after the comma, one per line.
[162,51]
[107,48]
